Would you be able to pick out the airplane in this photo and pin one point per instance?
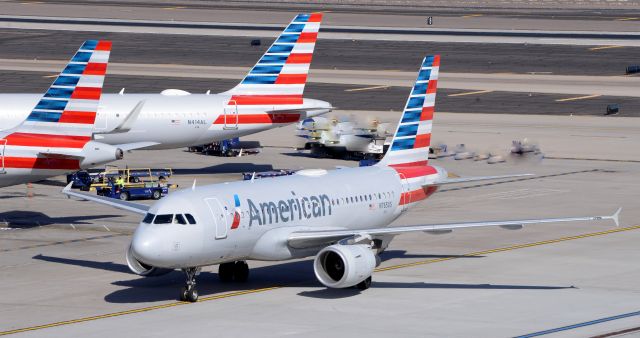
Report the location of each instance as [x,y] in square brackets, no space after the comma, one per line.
[56,136]
[269,96]
[339,216]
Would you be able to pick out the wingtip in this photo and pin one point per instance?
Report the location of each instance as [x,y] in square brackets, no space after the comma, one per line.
[67,188]
[616,216]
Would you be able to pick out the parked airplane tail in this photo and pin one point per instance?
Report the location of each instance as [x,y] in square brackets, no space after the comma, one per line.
[67,111]
[280,75]
[411,141]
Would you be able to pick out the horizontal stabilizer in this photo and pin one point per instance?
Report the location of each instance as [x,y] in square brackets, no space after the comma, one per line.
[128,122]
[136,145]
[476,178]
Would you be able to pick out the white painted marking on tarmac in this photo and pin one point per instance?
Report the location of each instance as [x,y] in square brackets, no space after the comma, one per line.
[106,227]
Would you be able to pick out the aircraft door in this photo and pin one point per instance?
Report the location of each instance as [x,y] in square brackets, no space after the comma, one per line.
[405,198]
[219,217]
[231,116]
[3,146]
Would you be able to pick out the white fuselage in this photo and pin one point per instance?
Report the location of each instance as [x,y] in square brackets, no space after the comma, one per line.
[171,121]
[269,209]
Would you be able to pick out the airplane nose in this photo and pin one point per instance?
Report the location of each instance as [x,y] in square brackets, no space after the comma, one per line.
[145,248]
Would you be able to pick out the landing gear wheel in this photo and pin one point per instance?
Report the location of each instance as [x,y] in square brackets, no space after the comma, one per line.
[183,294]
[225,272]
[241,271]
[365,284]
[192,295]
[189,292]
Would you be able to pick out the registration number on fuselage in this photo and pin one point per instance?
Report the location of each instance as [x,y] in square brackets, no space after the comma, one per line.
[385,205]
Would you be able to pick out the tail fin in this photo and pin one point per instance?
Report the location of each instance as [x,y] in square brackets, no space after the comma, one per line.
[70,104]
[411,141]
[280,75]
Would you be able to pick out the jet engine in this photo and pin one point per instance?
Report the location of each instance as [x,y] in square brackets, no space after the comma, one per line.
[343,266]
[142,269]
[96,153]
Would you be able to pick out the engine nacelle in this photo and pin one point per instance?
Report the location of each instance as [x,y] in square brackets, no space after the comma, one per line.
[343,266]
[142,269]
[96,153]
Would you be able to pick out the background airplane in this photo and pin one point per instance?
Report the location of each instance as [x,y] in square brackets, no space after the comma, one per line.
[56,136]
[340,216]
[270,96]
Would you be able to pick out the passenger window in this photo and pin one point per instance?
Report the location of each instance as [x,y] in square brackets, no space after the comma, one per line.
[148,218]
[179,219]
[163,219]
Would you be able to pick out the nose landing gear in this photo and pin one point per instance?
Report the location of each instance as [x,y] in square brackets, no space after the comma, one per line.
[189,293]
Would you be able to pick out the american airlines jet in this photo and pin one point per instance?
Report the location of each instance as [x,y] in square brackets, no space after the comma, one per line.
[56,136]
[340,216]
[270,96]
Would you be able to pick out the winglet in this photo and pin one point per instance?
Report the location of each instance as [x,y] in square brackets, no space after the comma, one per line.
[616,217]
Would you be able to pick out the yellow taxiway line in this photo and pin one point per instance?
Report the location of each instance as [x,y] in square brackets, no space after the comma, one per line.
[605,47]
[472,16]
[577,98]
[627,19]
[366,88]
[471,93]
[246,292]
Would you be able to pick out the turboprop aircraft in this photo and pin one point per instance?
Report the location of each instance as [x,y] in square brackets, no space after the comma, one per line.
[56,136]
[270,96]
[340,216]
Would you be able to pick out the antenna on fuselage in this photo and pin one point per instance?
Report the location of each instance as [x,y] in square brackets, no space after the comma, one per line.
[253,176]
[193,187]
[208,92]
[121,91]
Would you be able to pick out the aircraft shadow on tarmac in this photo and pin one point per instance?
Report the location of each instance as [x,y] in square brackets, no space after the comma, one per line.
[30,219]
[289,274]
[225,168]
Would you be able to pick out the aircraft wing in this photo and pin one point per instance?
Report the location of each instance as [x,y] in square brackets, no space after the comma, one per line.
[476,178]
[137,208]
[309,239]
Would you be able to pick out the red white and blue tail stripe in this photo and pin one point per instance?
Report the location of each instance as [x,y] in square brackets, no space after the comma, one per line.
[280,75]
[62,121]
[70,104]
[411,141]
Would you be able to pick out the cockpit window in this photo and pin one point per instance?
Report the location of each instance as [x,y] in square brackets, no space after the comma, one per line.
[179,219]
[190,219]
[163,219]
[148,218]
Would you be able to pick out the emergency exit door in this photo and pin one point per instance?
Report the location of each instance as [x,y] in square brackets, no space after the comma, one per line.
[3,146]
[231,115]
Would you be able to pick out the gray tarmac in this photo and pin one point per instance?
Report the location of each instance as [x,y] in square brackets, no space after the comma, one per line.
[329,54]
[352,97]
[64,272]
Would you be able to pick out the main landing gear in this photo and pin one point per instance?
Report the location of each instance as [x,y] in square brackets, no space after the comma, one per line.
[189,293]
[234,271]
